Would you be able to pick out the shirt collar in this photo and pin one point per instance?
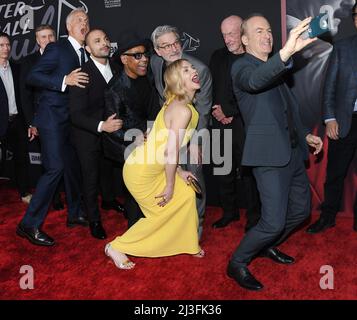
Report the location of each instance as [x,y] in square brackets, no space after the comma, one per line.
[100,66]
[75,44]
[5,66]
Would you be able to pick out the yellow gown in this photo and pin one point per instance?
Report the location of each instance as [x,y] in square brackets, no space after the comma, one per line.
[167,230]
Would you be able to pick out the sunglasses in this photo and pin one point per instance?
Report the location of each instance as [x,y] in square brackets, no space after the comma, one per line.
[138,55]
[354,15]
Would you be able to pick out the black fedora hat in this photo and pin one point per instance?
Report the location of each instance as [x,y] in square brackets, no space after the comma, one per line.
[131,39]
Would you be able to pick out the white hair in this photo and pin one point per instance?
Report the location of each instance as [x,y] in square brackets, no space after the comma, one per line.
[73,12]
[161,30]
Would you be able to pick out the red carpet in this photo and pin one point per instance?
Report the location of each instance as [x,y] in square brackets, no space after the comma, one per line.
[76,268]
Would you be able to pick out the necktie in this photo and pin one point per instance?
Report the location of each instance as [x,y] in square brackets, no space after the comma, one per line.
[83,58]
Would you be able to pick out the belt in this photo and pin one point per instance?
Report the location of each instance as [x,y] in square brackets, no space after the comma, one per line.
[12,117]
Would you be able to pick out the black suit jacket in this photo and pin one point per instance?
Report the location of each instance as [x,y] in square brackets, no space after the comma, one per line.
[4,103]
[30,95]
[120,98]
[222,89]
[86,106]
[263,98]
[340,89]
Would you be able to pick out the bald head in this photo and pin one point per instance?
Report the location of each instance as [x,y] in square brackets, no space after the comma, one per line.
[257,36]
[230,28]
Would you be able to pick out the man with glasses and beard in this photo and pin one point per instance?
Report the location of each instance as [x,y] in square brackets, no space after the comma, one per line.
[133,99]
[87,114]
[168,49]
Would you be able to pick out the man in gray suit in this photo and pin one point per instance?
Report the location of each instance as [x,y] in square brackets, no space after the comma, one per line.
[275,145]
[168,49]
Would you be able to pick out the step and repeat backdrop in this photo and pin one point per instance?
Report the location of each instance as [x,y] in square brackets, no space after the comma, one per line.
[308,78]
[199,25]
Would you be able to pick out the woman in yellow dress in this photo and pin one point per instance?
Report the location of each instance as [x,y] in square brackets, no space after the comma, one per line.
[152,175]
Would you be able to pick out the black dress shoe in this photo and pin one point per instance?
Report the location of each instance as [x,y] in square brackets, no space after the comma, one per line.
[276,255]
[320,225]
[80,221]
[243,277]
[97,230]
[224,221]
[113,205]
[35,236]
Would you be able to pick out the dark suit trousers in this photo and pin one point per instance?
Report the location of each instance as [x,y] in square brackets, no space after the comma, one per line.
[96,171]
[15,140]
[228,183]
[339,158]
[285,197]
[59,160]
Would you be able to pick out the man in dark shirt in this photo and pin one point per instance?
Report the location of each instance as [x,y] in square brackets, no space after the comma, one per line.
[226,117]
[132,97]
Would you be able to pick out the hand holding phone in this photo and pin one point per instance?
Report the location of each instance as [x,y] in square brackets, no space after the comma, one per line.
[318,25]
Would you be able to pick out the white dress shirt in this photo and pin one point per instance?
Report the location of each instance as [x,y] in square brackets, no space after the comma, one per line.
[107,74]
[8,80]
[76,46]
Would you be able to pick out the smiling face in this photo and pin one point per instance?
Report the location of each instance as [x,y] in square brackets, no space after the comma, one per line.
[258,38]
[5,49]
[230,29]
[98,44]
[44,37]
[78,26]
[135,67]
[189,76]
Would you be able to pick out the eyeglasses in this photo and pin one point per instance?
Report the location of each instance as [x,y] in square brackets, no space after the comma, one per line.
[354,15]
[138,55]
[170,45]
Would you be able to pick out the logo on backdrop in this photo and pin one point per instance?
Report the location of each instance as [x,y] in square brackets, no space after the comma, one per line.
[19,20]
[35,158]
[189,43]
[112,4]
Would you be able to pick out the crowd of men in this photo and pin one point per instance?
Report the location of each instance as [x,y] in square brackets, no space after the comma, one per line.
[80,103]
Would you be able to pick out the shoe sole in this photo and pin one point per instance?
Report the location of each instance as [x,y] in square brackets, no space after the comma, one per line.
[22,234]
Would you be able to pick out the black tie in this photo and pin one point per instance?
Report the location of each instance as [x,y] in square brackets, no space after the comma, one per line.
[83,56]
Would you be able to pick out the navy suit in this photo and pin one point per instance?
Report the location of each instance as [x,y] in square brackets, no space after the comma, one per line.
[265,103]
[339,97]
[52,121]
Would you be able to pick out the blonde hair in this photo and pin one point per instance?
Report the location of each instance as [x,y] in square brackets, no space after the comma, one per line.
[174,85]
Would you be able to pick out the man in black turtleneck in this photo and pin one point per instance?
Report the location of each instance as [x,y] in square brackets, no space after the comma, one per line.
[133,98]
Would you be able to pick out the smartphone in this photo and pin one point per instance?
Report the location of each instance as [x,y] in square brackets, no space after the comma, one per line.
[318,25]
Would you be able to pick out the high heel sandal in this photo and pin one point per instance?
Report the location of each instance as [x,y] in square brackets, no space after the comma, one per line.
[124,265]
[201,254]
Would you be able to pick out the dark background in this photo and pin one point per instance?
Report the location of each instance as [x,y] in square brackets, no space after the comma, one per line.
[200,19]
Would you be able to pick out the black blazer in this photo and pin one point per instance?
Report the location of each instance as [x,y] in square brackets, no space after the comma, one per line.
[263,98]
[4,103]
[340,89]
[86,105]
[30,95]
[120,98]
[222,89]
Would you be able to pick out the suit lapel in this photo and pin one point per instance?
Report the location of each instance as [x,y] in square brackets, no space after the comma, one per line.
[96,71]
[74,53]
